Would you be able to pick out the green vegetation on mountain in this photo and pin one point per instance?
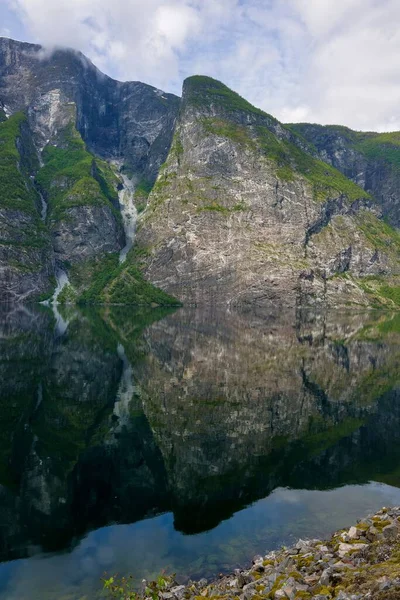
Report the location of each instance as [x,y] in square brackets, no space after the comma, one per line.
[202,91]
[16,191]
[24,239]
[326,181]
[383,291]
[380,234]
[374,146]
[142,191]
[109,282]
[72,176]
[384,146]
[284,145]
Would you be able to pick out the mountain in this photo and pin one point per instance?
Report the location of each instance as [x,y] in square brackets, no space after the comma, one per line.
[235,209]
[372,160]
[68,127]
[245,214]
[125,416]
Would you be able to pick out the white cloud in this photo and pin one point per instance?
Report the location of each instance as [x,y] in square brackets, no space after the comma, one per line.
[314,60]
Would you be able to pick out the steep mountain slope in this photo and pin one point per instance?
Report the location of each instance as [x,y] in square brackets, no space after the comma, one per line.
[242,214]
[245,211]
[129,121]
[372,160]
[26,256]
[71,111]
[219,411]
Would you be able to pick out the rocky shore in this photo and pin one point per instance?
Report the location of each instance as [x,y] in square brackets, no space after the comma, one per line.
[356,563]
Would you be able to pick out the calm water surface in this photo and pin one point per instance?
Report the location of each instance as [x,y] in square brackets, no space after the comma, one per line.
[133,442]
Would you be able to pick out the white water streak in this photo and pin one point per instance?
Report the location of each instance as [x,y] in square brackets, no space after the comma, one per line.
[129,215]
[125,388]
[43,212]
[62,281]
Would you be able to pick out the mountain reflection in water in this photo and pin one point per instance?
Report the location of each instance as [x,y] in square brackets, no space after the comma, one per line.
[129,414]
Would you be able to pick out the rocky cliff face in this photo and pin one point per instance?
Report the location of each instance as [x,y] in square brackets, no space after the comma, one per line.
[371,160]
[74,115]
[117,417]
[26,256]
[243,215]
[258,403]
[132,121]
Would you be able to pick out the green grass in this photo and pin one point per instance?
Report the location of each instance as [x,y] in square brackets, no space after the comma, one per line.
[379,233]
[374,146]
[16,192]
[390,293]
[223,128]
[67,295]
[326,181]
[383,291]
[128,286]
[72,177]
[114,283]
[201,91]
[381,146]
[93,275]
[143,188]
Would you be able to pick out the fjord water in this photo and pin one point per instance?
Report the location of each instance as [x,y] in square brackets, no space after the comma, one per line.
[136,441]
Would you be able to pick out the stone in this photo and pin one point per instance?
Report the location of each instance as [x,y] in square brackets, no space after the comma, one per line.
[344,549]
[243,579]
[385,583]
[290,591]
[353,533]
[372,534]
[258,568]
[178,591]
[391,532]
[325,577]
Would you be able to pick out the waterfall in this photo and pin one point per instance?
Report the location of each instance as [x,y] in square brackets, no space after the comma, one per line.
[125,388]
[62,281]
[43,212]
[129,215]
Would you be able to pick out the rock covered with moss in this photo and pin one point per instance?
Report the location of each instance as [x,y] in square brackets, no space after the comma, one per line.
[362,562]
[372,160]
[26,256]
[243,214]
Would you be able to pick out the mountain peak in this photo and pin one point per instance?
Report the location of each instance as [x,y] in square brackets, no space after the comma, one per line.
[204,91]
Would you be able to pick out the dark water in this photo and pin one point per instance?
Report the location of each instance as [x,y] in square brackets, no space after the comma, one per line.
[133,442]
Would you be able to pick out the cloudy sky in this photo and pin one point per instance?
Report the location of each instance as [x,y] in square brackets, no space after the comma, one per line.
[325,61]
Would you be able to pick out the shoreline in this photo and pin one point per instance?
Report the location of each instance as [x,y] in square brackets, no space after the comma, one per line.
[356,563]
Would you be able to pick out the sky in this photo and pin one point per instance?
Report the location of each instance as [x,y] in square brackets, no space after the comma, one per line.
[320,61]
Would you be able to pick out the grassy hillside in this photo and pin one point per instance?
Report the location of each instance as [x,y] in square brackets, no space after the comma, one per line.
[72,176]
[108,282]
[250,126]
